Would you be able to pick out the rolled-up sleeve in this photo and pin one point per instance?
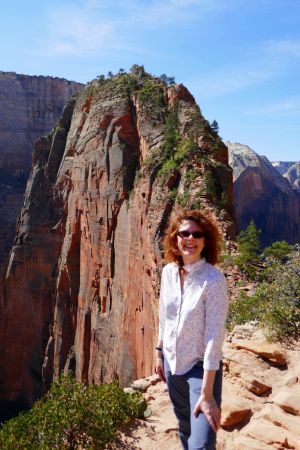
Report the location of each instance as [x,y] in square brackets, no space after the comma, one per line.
[161,309]
[216,309]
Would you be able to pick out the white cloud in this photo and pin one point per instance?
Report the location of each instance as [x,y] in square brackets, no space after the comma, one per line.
[97,27]
[268,61]
[161,13]
[77,33]
[285,106]
[90,30]
[231,78]
[284,47]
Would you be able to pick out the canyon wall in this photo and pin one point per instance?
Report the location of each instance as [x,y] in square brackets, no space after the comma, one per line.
[29,108]
[290,171]
[262,194]
[81,287]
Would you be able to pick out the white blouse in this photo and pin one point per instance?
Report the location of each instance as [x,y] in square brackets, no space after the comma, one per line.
[192,319]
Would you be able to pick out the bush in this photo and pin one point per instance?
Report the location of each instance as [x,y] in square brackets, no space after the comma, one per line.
[276,301]
[183,199]
[168,168]
[72,415]
[184,149]
[242,310]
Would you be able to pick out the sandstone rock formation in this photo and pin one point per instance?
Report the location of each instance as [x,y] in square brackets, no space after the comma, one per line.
[250,420]
[81,285]
[262,194]
[29,108]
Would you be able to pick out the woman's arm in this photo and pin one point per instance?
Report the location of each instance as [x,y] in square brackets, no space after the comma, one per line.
[159,366]
[215,317]
[216,307]
[207,403]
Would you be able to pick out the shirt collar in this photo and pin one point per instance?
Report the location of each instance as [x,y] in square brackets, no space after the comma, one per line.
[194,267]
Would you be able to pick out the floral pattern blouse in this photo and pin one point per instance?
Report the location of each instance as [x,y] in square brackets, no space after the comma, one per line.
[192,319]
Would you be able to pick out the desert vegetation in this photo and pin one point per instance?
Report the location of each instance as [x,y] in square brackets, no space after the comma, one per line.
[275,272]
[72,415]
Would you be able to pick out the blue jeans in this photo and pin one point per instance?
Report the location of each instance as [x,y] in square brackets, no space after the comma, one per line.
[184,390]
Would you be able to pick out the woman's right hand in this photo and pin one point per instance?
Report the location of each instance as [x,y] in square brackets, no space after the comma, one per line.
[159,367]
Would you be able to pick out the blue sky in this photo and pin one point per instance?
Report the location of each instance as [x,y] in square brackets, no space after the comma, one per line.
[240,59]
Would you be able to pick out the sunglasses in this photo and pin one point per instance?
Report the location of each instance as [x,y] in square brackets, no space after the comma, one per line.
[186,234]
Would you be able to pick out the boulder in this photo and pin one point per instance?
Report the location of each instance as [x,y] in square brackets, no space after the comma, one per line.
[271,352]
[271,434]
[288,399]
[279,417]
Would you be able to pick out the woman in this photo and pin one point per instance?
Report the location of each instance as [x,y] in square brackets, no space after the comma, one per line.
[192,314]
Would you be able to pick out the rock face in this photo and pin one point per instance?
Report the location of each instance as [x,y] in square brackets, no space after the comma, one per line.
[262,194]
[29,108]
[81,286]
[291,171]
[282,166]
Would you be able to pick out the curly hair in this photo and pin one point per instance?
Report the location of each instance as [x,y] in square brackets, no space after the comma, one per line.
[210,228]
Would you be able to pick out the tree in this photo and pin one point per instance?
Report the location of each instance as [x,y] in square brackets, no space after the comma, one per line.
[101,78]
[279,250]
[274,257]
[249,258]
[215,126]
[167,80]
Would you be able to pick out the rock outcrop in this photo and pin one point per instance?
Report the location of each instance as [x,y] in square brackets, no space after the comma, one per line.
[29,107]
[81,285]
[262,194]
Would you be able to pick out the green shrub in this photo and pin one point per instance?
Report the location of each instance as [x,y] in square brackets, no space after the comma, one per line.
[275,303]
[167,168]
[190,177]
[72,415]
[244,309]
[183,199]
[184,149]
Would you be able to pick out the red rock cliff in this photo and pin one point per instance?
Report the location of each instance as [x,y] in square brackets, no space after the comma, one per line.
[29,107]
[81,287]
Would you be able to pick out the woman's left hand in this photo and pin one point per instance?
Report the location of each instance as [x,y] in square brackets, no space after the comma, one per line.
[209,407]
